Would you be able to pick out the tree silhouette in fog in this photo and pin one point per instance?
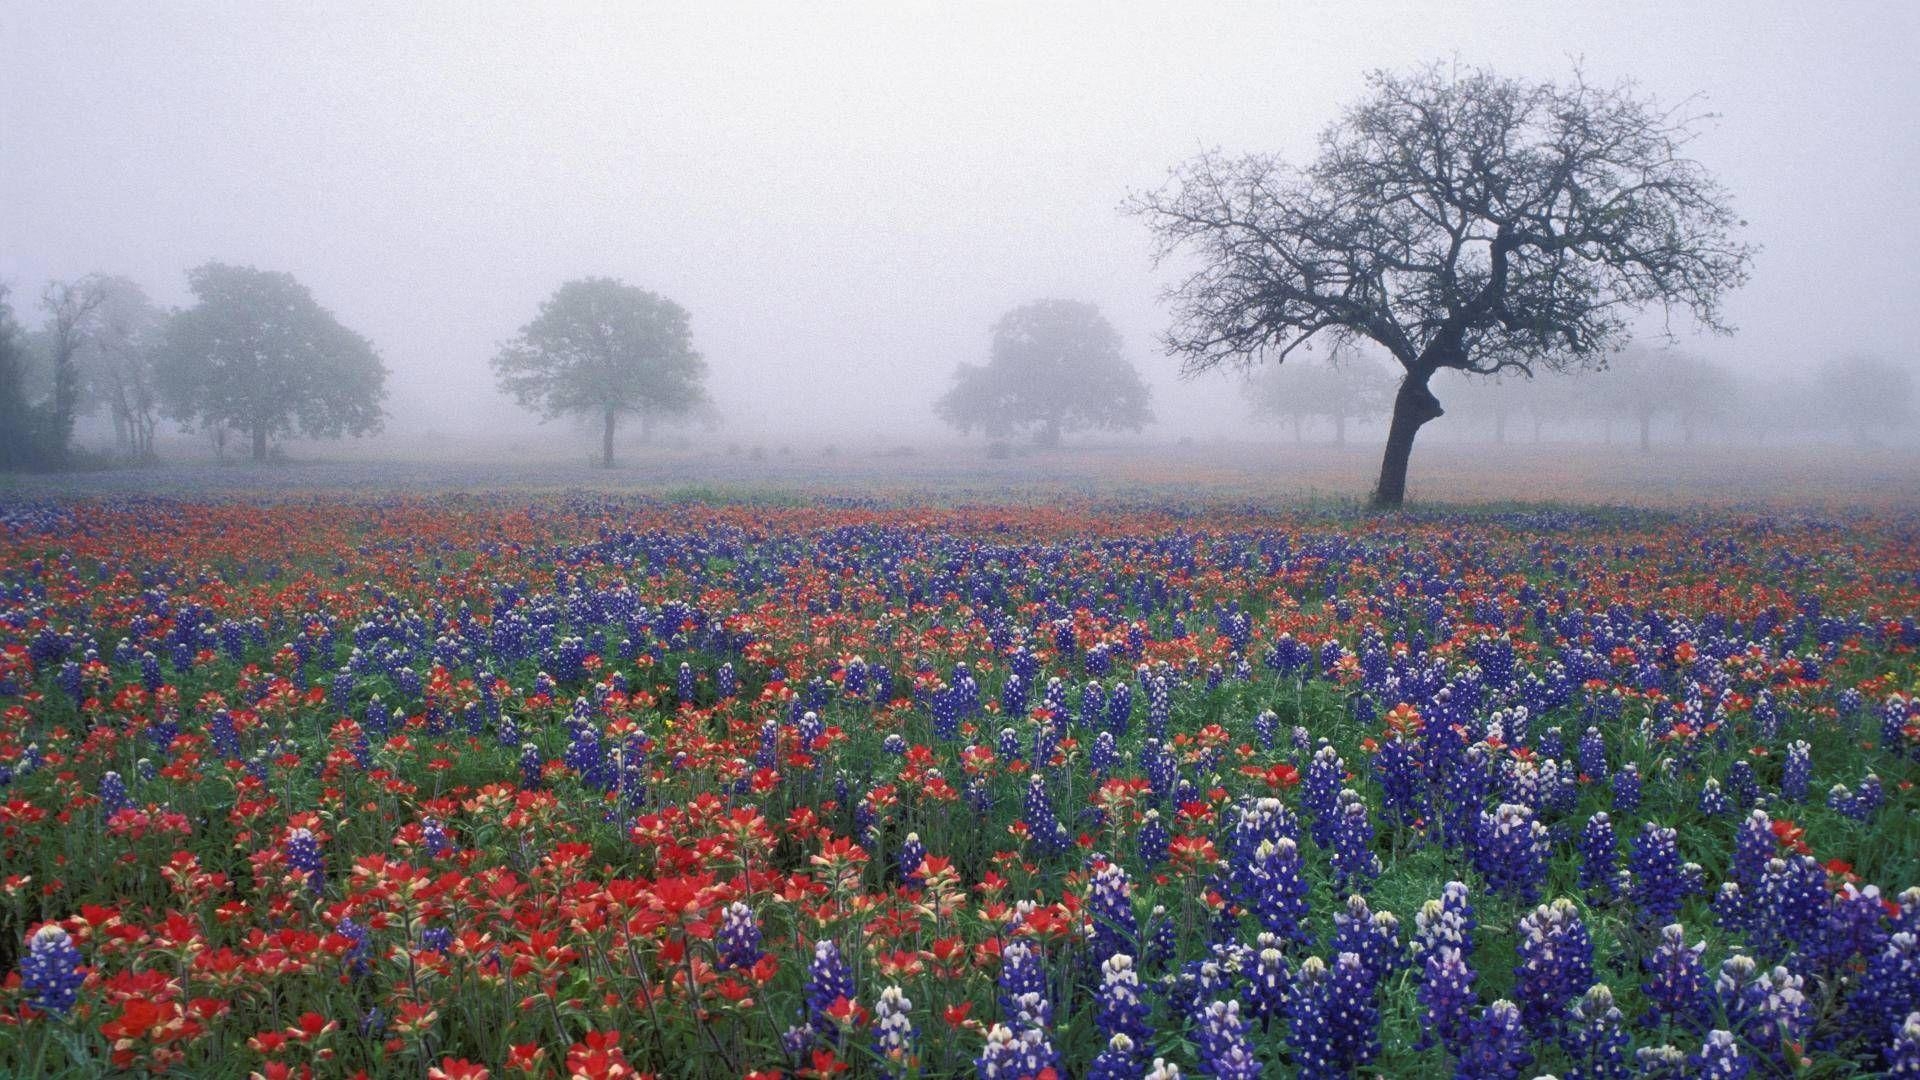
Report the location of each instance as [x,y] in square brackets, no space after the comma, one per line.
[1462,221]
[258,354]
[605,349]
[1347,385]
[1056,368]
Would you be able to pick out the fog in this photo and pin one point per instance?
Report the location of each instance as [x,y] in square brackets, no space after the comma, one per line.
[846,198]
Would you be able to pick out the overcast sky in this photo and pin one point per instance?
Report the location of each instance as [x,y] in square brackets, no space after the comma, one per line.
[846,196]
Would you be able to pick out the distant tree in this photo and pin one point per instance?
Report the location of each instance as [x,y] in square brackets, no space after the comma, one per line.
[1461,220]
[16,412]
[1056,367]
[117,360]
[1643,385]
[1346,385]
[72,309]
[1865,396]
[603,348]
[257,354]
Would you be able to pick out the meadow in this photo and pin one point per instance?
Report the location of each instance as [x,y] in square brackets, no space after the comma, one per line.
[591,784]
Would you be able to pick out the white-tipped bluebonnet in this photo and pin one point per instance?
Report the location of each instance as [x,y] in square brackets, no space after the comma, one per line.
[1553,961]
[50,971]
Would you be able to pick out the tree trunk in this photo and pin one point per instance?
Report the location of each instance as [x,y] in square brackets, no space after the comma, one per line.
[1646,433]
[1413,406]
[1339,430]
[606,440]
[259,442]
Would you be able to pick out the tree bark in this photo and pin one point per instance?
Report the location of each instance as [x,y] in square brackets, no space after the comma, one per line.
[606,440]
[1413,406]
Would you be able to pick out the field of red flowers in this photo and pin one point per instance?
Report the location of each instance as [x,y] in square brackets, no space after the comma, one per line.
[459,786]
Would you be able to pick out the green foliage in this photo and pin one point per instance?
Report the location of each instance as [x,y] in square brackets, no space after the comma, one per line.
[259,355]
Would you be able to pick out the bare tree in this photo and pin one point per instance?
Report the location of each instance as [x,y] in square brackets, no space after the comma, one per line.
[72,309]
[1462,221]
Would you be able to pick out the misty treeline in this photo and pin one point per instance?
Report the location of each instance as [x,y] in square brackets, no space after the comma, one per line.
[1463,242]
[1646,395]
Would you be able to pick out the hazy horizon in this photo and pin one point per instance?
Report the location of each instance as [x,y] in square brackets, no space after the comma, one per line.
[846,198]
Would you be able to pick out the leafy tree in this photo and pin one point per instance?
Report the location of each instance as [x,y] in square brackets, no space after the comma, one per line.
[1460,220]
[600,347]
[257,354]
[1056,367]
[1347,385]
[16,413]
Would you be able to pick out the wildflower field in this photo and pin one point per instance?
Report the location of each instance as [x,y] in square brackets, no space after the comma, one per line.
[467,786]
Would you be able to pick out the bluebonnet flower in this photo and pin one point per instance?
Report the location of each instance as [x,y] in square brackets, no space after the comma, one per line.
[738,939]
[1599,853]
[1511,852]
[1713,801]
[1023,985]
[1278,889]
[1554,959]
[1663,1062]
[1796,772]
[1626,789]
[1153,841]
[51,971]
[1593,754]
[1268,981]
[1903,1053]
[1768,1009]
[1889,988]
[1050,837]
[1495,1047]
[829,980]
[1448,922]
[893,1034]
[1446,990]
[1595,1038]
[1320,794]
[302,853]
[1854,926]
[1122,1010]
[1010,1056]
[912,854]
[433,833]
[1789,905]
[1373,936]
[113,794]
[1676,986]
[1266,727]
[1720,1058]
[1119,1061]
[530,765]
[1334,1017]
[1354,863]
[1115,929]
[1658,884]
[1224,1050]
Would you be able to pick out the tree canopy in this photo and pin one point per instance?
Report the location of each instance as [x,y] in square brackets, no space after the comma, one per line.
[257,354]
[1460,220]
[1056,367]
[600,347]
